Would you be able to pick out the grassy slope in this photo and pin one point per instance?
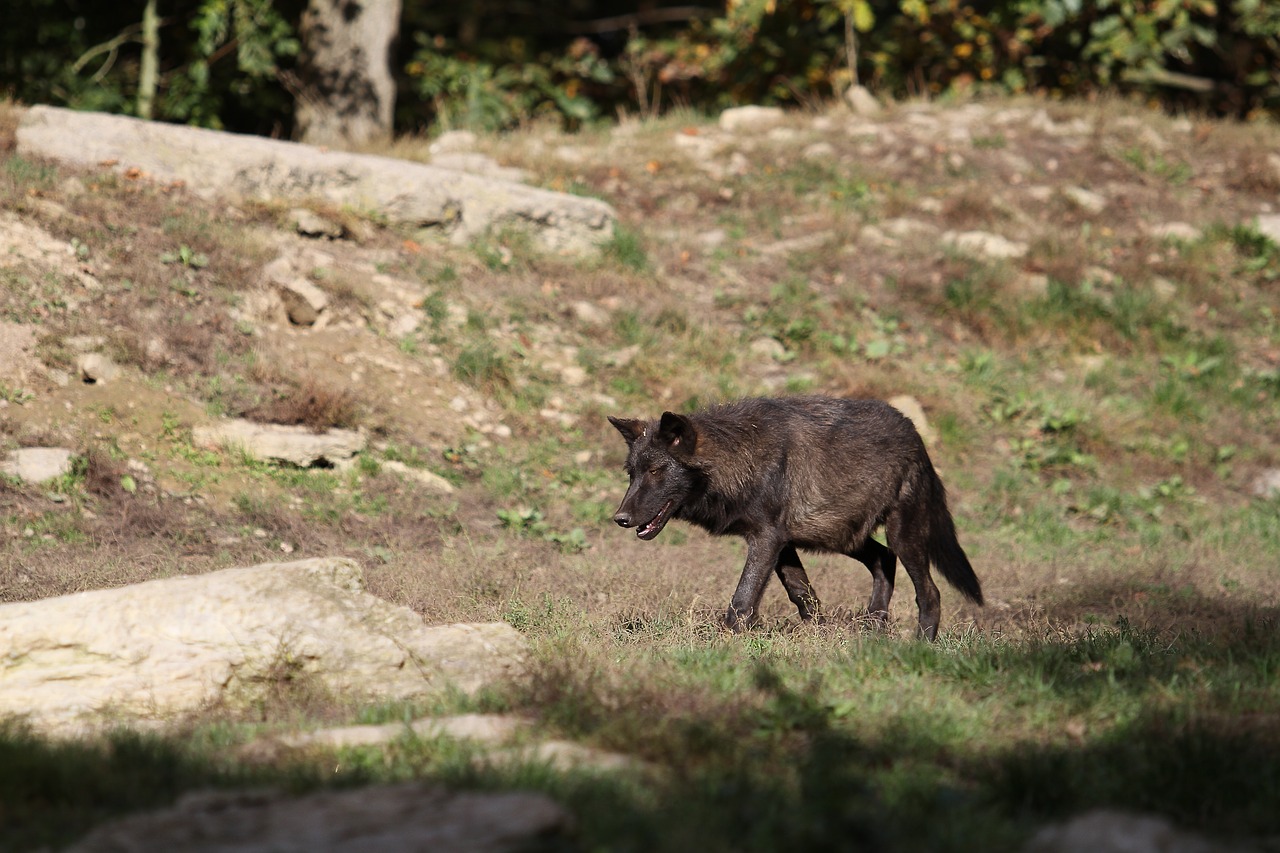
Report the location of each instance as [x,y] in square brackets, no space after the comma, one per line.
[1101,406]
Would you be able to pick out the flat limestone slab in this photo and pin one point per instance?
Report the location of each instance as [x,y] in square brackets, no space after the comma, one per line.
[36,464]
[255,167]
[282,442]
[405,818]
[152,651]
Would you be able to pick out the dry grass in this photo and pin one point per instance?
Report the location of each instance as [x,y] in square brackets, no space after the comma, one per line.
[311,404]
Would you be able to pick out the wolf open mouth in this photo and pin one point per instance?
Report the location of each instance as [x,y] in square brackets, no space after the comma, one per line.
[654,527]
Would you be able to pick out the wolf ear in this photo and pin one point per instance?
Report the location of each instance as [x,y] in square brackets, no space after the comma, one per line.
[677,432]
[630,429]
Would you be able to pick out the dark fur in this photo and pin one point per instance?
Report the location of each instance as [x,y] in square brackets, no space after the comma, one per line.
[799,473]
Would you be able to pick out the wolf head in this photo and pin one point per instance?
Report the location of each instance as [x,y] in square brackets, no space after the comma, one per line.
[659,463]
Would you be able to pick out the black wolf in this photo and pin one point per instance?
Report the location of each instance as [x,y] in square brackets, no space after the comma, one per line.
[799,473]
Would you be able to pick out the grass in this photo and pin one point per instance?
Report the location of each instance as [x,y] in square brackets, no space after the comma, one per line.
[794,739]
[1097,434]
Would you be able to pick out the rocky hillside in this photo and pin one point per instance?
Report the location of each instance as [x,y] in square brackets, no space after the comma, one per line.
[1079,302]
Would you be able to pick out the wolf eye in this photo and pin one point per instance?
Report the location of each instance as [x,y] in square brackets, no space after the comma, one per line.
[655,470]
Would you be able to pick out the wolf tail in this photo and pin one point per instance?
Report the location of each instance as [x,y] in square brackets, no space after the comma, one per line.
[943,546]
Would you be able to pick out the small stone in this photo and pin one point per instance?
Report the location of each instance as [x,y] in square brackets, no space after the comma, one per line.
[711,239]
[861,101]
[1180,231]
[432,481]
[622,357]
[819,151]
[768,348]
[1034,285]
[904,226]
[985,244]
[751,119]
[1099,275]
[1268,224]
[308,223]
[405,324]
[95,367]
[453,140]
[303,301]
[1266,484]
[1163,289]
[72,187]
[279,271]
[803,243]
[588,313]
[1087,200]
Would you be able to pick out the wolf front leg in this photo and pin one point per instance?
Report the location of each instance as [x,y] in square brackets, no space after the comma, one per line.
[762,556]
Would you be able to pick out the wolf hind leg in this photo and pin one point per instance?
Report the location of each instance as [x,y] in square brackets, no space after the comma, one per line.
[907,533]
[883,565]
[796,582]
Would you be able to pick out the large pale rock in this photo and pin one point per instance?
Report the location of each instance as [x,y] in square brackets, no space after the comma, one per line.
[297,445]
[254,167]
[405,818]
[162,648]
[37,464]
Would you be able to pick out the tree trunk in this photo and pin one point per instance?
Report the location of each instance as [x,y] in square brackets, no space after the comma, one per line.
[148,74]
[347,93]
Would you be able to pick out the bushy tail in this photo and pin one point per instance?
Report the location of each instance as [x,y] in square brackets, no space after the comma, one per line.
[944,548]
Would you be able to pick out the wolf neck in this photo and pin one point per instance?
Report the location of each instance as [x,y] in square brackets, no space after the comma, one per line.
[710,512]
[725,472]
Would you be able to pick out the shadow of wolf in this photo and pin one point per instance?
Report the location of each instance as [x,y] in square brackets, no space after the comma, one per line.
[800,473]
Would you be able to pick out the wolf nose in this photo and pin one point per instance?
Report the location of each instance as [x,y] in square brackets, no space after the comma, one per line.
[622,519]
